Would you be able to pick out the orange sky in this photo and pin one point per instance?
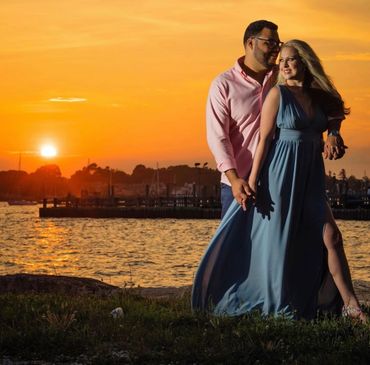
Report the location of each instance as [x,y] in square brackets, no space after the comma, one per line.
[123,82]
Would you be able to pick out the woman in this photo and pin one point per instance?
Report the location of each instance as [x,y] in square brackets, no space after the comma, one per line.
[274,256]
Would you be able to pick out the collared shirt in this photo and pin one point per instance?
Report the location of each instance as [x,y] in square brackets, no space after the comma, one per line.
[233,118]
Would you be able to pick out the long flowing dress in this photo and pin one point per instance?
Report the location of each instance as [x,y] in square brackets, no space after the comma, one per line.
[272,257]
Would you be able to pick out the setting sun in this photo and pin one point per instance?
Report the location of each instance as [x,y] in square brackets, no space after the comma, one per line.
[48,151]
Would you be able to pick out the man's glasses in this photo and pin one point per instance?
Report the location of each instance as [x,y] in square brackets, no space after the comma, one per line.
[271,43]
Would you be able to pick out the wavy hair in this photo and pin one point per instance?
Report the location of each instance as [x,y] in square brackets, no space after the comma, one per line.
[316,82]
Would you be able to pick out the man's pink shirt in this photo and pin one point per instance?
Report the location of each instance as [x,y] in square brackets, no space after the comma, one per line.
[233,118]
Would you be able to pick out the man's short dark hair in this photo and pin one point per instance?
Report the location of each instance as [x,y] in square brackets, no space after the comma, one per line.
[256,27]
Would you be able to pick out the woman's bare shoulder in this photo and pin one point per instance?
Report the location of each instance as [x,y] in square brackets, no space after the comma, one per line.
[273,96]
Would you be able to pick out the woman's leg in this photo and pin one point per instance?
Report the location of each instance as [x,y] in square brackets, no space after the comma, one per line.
[338,265]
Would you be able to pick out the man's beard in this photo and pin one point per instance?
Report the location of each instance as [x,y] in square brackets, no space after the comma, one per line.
[265,59]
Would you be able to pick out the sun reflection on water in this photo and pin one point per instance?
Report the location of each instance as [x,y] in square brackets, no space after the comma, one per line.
[163,252]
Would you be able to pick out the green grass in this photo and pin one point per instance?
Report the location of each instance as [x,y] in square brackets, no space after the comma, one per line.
[61,328]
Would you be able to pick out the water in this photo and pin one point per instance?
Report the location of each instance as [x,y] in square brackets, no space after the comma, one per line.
[145,252]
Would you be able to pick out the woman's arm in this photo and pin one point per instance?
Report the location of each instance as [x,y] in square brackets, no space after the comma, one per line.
[267,130]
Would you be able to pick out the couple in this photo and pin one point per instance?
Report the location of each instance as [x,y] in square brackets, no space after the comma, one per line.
[278,249]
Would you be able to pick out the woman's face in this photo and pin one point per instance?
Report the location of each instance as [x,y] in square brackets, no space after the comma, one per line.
[290,65]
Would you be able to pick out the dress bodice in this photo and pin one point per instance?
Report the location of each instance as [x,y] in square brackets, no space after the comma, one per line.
[291,115]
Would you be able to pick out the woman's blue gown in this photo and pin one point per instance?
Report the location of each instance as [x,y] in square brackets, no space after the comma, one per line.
[272,257]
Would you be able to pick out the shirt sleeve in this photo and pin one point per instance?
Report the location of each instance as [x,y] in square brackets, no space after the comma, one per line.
[218,124]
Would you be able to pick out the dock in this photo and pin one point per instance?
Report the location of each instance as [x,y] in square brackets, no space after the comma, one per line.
[175,208]
[162,207]
[131,212]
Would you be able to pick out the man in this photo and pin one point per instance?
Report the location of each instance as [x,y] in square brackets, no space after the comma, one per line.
[233,118]
[234,110]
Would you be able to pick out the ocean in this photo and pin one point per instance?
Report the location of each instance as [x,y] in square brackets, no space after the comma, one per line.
[128,252]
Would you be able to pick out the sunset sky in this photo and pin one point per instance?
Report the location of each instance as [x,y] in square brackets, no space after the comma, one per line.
[122,82]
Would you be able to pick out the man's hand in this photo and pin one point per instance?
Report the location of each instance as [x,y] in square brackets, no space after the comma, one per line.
[334,147]
[241,191]
[239,187]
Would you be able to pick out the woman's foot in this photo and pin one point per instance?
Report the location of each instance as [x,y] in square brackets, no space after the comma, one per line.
[354,312]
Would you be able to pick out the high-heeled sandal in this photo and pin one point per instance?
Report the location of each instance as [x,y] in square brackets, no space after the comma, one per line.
[354,313]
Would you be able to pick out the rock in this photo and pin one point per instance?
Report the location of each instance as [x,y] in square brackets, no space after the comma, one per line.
[30,283]
[117,312]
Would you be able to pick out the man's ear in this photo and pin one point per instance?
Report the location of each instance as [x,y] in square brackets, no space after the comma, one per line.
[249,43]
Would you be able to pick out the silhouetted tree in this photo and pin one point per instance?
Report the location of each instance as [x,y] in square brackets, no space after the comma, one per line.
[342,174]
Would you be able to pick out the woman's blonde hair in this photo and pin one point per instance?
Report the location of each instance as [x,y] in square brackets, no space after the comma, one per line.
[316,79]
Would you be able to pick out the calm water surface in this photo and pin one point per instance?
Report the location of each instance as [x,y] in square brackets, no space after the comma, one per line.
[145,252]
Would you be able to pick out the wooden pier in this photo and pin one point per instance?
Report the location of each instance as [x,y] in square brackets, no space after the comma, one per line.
[131,212]
[176,208]
[164,207]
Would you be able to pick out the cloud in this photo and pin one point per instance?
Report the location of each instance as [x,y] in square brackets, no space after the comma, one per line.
[40,25]
[348,10]
[364,56]
[24,152]
[61,99]
[362,97]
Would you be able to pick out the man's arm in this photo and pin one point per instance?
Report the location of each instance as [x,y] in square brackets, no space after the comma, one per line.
[218,124]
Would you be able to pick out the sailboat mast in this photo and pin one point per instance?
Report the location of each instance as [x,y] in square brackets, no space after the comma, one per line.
[157,182]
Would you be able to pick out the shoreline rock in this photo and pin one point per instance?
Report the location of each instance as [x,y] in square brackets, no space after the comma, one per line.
[72,285]
[41,283]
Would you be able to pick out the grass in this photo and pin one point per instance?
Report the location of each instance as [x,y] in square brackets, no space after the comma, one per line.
[66,329]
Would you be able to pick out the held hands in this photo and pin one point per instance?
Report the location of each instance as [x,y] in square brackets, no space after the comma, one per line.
[252,184]
[334,147]
[241,191]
